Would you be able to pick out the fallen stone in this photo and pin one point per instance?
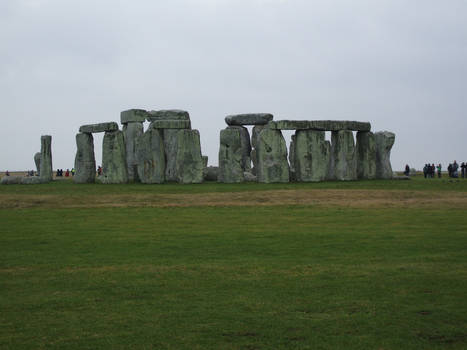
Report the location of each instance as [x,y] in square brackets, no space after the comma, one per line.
[366,155]
[231,156]
[189,164]
[131,132]
[272,157]
[150,156]
[101,127]
[32,180]
[384,141]
[246,146]
[114,169]
[211,173]
[170,147]
[323,125]
[249,177]
[37,160]
[168,114]
[312,156]
[85,161]
[46,158]
[170,124]
[133,116]
[400,177]
[249,119]
[11,180]
[344,159]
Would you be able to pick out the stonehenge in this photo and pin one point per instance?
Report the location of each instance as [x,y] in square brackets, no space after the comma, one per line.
[169,150]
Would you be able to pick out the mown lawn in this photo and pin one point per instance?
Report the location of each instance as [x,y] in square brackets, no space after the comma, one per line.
[234,277]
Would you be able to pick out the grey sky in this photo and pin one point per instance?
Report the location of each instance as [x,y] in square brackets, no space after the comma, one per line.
[400,64]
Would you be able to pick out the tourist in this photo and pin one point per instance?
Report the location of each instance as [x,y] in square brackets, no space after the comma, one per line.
[425,170]
[433,171]
[7,173]
[407,170]
[72,171]
[455,166]
[463,166]
[67,173]
[450,169]
[439,170]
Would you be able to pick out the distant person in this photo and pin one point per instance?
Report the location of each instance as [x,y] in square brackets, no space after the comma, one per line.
[433,171]
[438,168]
[425,171]
[455,173]
[407,170]
[72,171]
[67,173]
[450,169]
[57,174]
[7,173]
[463,166]
[99,170]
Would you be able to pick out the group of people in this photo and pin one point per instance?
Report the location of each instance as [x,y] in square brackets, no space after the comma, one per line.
[429,170]
[454,172]
[59,172]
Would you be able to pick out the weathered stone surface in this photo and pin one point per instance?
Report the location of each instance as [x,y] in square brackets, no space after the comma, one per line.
[246,146]
[211,173]
[249,177]
[133,115]
[168,114]
[46,158]
[254,161]
[32,180]
[150,156]
[344,158]
[114,169]
[101,127]
[170,147]
[312,155]
[85,161]
[255,134]
[189,164]
[272,157]
[131,132]
[323,125]
[231,155]
[249,119]
[37,160]
[11,180]
[205,160]
[366,155]
[292,159]
[384,141]
[170,124]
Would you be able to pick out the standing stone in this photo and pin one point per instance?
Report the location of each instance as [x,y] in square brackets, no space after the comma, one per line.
[85,162]
[205,161]
[384,141]
[272,157]
[312,155]
[150,157]
[189,164]
[366,155]
[46,158]
[231,156]
[114,169]
[131,132]
[254,143]
[344,159]
[37,160]
[246,146]
[170,147]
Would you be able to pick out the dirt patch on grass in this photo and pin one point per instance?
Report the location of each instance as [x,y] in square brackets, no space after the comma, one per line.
[318,197]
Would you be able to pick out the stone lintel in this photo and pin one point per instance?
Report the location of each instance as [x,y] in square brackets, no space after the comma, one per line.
[101,127]
[323,125]
[249,119]
[170,124]
[168,114]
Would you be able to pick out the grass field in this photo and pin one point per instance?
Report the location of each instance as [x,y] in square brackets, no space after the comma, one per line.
[334,265]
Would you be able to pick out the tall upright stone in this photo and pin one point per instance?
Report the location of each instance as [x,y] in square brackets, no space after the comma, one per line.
[292,159]
[37,161]
[114,169]
[312,155]
[384,141]
[170,147]
[46,171]
[85,161]
[254,144]
[131,132]
[272,157]
[344,159]
[150,157]
[231,156]
[246,146]
[189,164]
[366,155]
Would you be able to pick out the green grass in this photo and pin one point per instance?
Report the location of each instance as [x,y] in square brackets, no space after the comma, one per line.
[272,277]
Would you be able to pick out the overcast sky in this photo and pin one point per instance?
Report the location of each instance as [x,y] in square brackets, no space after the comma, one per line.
[399,64]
